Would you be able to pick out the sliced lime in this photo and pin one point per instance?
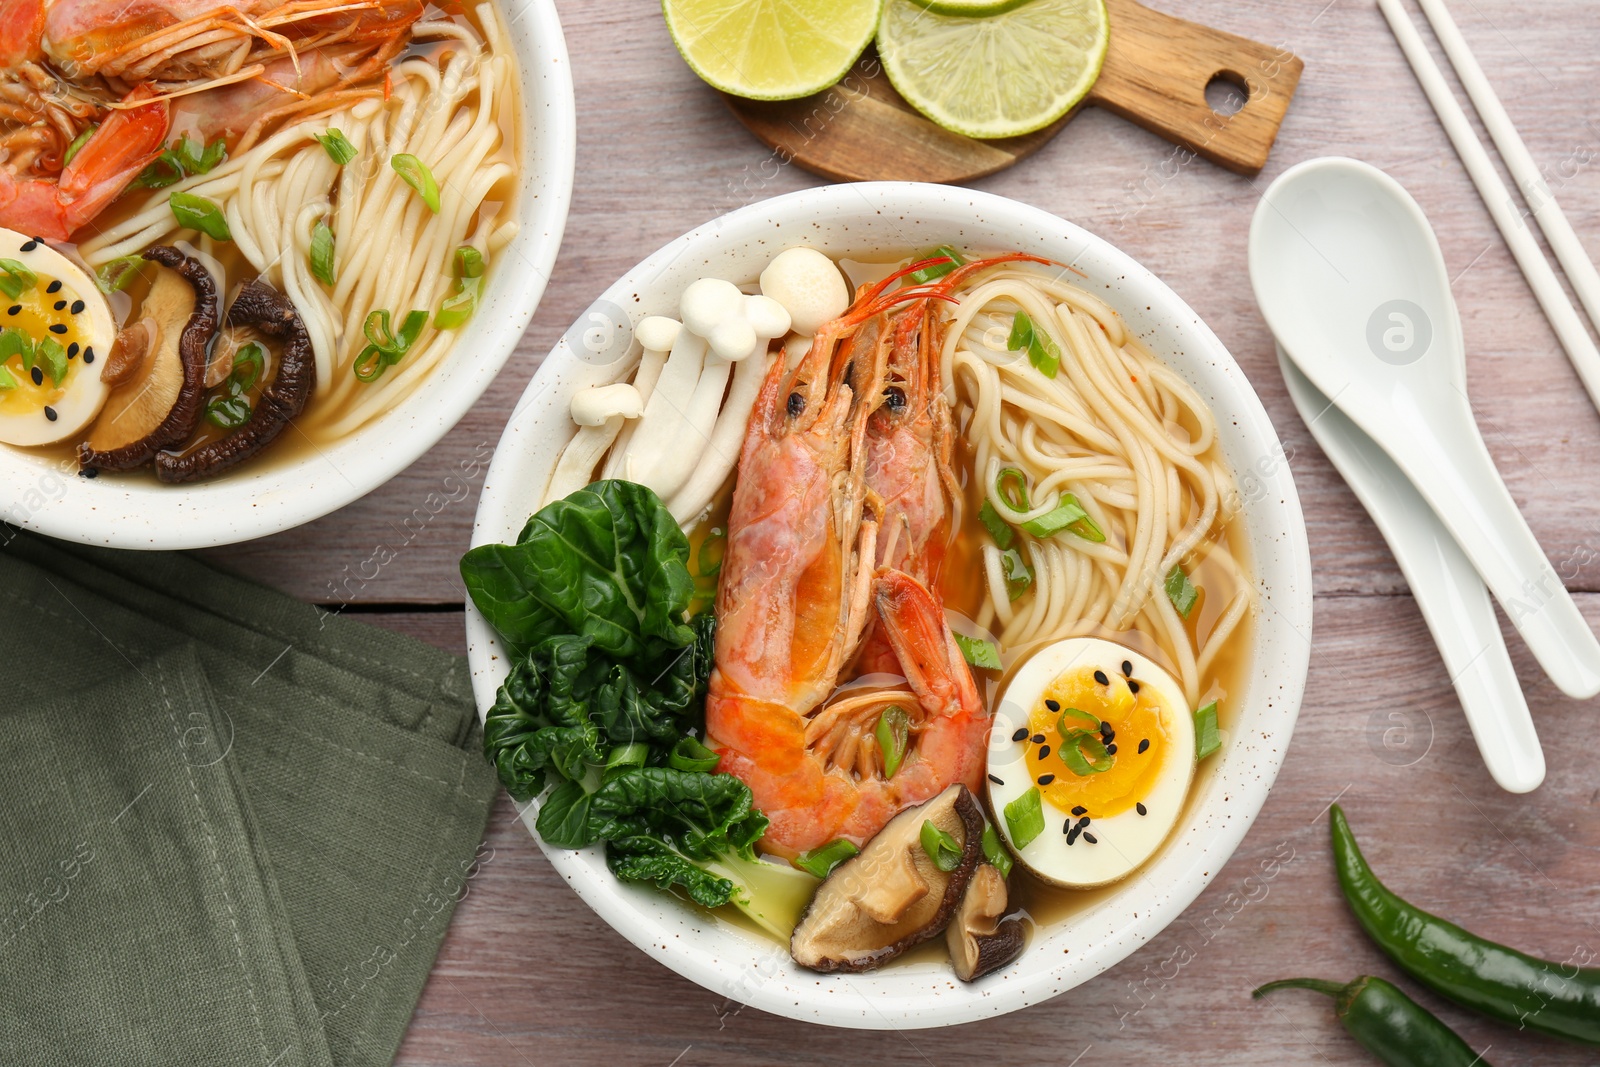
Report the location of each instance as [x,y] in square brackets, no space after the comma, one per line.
[970,8]
[771,49]
[1001,75]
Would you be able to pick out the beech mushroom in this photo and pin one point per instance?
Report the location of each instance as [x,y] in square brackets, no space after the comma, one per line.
[158,405]
[892,895]
[979,940]
[599,412]
[270,314]
[656,335]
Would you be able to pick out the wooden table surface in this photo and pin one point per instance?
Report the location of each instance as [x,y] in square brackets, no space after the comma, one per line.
[528,975]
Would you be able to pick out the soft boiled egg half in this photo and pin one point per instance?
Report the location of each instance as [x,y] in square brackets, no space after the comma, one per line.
[54,324]
[1090,760]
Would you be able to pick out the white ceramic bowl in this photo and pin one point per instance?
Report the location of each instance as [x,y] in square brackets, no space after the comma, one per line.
[884,220]
[43,494]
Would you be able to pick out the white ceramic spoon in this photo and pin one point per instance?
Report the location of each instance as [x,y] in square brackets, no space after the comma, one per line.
[1350,279]
[1452,597]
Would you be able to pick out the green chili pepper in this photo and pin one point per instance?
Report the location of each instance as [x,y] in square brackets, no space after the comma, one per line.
[1553,998]
[1389,1024]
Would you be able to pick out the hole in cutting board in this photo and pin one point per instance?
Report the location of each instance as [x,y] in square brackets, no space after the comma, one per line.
[1227,93]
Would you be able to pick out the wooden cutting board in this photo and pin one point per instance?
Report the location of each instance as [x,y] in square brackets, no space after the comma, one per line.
[1156,71]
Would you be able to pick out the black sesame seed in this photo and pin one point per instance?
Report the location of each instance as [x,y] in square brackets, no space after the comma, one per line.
[1133,686]
[59,305]
[72,350]
[31,245]
[14,309]
[1046,779]
[1052,705]
[1066,827]
[50,413]
[995,778]
[1091,838]
[88,354]
[1020,735]
[1127,667]
[797,404]
[1144,746]
[1100,676]
[1106,728]
[1141,809]
[1044,750]
[77,307]
[1072,835]
[1079,810]
[58,327]
[38,376]
[1111,748]
[53,287]
[1038,739]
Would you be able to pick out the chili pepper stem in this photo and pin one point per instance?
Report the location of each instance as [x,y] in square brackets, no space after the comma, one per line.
[1320,985]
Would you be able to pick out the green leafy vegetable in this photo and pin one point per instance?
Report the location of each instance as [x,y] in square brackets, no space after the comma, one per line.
[201,214]
[16,278]
[77,143]
[337,145]
[690,755]
[940,847]
[1083,751]
[894,734]
[1040,346]
[54,359]
[995,852]
[322,262]
[1181,591]
[118,273]
[1207,738]
[458,307]
[1017,573]
[1066,515]
[1025,818]
[183,159]
[998,528]
[416,174]
[821,860]
[937,270]
[978,652]
[385,347]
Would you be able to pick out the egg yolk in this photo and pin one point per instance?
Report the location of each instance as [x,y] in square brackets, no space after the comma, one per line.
[29,388]
[1079,700]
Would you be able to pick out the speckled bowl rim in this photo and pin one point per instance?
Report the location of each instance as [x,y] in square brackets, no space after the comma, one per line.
[898,216]
[43,494]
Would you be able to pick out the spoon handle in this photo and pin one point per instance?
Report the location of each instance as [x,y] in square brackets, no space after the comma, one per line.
[1465,490]
[1448,591]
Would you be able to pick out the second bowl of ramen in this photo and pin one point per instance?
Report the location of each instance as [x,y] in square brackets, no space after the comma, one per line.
[983,511]
[288,279]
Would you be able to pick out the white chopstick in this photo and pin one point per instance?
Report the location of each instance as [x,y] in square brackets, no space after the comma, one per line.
[1535,190]
[1558,309]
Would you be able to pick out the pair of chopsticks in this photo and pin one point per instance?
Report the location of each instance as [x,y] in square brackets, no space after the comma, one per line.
[1580,270]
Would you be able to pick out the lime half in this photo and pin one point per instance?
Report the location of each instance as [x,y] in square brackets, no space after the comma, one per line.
[771,49]
[1000,75]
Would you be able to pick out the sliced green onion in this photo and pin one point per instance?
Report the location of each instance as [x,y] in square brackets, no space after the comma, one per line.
[416,174]
[77,143]
[183,159]
[229,412]
[632,754]
[995,852]
[894,734]
[690,755]
[1011,486]
[937,270]
[248,363]
[54,358]
[1021,332]
[337,145]
[16,278]
[385,348]
[940,847]
[1083,717]
[1181,591]
[322,254]
[118,273]
[998,528]
[1207,738]
[712,550]
[201,214]
[821,860]
[469,262]
[1040,346]
[1067,515]
[13,342]
[458,308]
[1017,573]
[978,652]
[1085,753]
[1025,818]
[6,380]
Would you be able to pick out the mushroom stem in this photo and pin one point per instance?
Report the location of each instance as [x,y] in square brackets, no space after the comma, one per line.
[578,459]
[658,452]
[727,437]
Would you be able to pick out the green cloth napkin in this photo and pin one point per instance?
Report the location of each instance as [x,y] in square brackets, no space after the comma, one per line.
[233,827]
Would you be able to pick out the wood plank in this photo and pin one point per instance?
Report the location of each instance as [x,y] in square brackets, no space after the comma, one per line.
[529,975]
[658,154]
